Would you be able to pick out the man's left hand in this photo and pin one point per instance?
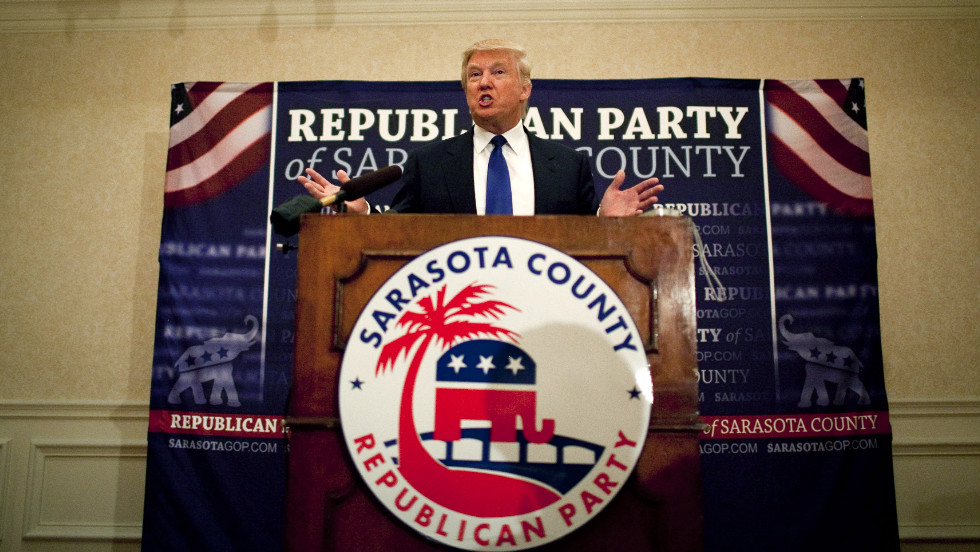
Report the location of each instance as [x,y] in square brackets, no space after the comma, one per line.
[631,201]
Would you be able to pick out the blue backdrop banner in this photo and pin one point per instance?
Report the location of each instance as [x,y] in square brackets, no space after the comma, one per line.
[796,448]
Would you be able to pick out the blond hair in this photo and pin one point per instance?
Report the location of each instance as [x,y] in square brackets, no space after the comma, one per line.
[493,44]
[496,45]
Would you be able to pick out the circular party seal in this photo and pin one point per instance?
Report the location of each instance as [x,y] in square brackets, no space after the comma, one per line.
[495,394]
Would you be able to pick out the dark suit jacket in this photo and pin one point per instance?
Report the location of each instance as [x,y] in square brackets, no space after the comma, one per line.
[438,178]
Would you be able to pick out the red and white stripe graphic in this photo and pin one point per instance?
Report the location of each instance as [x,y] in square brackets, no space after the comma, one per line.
[817,141]
[221,136]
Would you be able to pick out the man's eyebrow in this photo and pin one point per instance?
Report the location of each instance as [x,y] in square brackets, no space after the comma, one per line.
[494,65]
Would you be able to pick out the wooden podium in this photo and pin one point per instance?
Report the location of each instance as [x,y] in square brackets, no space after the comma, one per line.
[344,259]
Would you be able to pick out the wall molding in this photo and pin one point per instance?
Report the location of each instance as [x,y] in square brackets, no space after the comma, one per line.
[937,439]
[935,407]
[50,458]
[4,477]
[910,410]
[19,16]
[948,424]
[74,410]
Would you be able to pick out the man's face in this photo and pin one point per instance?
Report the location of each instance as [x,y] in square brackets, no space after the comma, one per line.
[494,92]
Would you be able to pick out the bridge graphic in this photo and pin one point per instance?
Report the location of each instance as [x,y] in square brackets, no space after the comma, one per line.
[558,475]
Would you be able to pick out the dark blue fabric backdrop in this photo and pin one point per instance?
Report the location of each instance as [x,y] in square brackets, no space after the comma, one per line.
[796,453]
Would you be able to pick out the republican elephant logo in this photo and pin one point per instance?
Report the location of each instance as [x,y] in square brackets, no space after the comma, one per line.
[485,361]
[212,361]
[825,362]
[497,401]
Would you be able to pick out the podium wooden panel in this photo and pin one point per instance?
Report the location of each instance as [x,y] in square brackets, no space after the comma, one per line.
[344,259]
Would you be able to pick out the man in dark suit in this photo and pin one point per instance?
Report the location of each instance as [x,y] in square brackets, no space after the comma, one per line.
[438,179]
[543,177]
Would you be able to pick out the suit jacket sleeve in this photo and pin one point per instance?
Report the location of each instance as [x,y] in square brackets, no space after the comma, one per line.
[407,198]
[438,178]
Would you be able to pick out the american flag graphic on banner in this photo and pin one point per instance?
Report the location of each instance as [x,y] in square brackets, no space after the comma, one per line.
[818,139]
[219,134]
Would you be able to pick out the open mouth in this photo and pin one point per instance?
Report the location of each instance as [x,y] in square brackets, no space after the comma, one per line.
[485,100]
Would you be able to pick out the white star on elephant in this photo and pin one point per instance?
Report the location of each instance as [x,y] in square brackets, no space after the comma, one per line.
[486,364]
[514,364]
[456,363]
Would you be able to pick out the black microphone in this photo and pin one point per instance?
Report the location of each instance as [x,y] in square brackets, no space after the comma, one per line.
[285,218]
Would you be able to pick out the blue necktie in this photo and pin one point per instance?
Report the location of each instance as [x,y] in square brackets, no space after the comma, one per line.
[498,180]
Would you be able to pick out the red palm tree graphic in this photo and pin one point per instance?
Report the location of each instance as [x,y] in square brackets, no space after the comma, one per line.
[446,323]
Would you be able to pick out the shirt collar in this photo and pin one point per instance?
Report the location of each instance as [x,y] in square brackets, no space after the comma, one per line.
[516,138]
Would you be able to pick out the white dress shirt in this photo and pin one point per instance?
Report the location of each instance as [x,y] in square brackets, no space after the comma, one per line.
[517,153]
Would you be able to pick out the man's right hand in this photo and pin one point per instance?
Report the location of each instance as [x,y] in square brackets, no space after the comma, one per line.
[320,188]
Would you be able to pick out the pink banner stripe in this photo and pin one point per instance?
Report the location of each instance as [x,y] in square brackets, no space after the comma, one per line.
[788,426]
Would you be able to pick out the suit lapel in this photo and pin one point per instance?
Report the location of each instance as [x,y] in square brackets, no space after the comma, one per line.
[543,167]
[458,173]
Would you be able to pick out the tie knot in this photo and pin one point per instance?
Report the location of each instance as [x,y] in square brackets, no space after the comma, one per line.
[498,141]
